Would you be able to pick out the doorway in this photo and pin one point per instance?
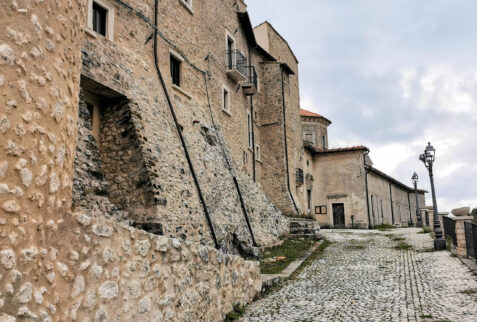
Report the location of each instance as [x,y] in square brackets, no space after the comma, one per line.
[338,215]
[308,196]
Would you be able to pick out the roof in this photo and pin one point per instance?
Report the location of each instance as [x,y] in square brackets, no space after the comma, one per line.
[336,150]
[392,180]
[306,113]
[286,42]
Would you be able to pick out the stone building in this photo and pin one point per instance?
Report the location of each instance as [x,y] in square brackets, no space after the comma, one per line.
[349,191]
[135,158]
[145,145]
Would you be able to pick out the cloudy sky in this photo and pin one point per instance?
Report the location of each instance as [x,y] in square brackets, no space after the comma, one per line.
[391,75]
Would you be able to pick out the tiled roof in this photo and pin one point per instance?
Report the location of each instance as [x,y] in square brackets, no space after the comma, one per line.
[347,149]
[308,113]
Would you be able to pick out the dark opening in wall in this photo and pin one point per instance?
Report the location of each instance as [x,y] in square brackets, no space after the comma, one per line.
[111,176]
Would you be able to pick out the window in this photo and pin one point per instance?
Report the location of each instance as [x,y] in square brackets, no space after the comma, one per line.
[299,176]
[245,157]
[320,210]
[100,18]
[230,48]
[225,99]
[249,129]
[258,153]
[324,141]
[255,116]
[175,70]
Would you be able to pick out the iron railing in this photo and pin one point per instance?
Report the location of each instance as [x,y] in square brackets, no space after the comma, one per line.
[471,239]
[251,75]
[449,229]
[236,60]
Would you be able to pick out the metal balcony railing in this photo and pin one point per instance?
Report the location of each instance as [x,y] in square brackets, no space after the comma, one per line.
[250,83]
[236,61]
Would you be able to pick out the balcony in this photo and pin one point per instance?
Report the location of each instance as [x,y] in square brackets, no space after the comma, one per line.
[236,65]
[250,84]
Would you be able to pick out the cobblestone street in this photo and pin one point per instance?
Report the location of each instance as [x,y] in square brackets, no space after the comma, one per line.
[362,277]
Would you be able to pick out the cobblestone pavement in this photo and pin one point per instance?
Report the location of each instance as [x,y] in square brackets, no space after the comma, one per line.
[362,277]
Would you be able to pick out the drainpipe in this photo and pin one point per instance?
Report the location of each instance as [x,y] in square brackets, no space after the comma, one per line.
[367,191]
[285,139]
[391,197]
[410,213]
[253,137]
[179,131]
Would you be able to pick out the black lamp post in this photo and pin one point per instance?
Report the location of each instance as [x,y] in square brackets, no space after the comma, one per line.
[414,179]
[428,158]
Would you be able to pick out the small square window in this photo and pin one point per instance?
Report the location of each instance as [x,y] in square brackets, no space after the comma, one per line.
[99,19]
[175,70]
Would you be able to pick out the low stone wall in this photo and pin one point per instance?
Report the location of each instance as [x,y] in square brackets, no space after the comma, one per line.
[95,269]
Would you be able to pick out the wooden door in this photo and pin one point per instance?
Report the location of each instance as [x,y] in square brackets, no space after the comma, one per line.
[338,215]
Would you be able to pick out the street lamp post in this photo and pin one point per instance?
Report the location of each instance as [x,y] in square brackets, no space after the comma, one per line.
[418,213]
[428,158]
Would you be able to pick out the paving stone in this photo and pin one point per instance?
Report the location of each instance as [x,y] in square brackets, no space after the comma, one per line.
[362,277]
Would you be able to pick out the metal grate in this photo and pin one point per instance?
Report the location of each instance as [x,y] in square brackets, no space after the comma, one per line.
[236,60]
[471,239]
[449,229]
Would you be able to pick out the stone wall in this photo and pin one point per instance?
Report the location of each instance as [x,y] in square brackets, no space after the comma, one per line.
[216,160]
[107,271]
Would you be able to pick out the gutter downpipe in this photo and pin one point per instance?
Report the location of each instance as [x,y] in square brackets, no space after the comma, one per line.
[179,131]
[367,191]
[285,139]
[391,197]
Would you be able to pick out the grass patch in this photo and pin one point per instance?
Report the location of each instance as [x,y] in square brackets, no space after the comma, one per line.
[355,247]
[384,227]
[291,249]
[453,255]
[403,246]
[398,239]
[426,316]
[314,256]
[237,312]
[470,291]
[427,250]
[425,230]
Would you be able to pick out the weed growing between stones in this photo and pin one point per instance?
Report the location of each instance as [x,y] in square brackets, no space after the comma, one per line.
[425,230]
[237,312]
[403,246]
[384,227]
[470,291]
[398,239]
[426,250]
[426,316]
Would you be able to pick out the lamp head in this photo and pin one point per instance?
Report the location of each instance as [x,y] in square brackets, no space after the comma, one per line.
[430,153]
[414,178]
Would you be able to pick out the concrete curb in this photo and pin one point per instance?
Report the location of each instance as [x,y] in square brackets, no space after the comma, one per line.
[269,280]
